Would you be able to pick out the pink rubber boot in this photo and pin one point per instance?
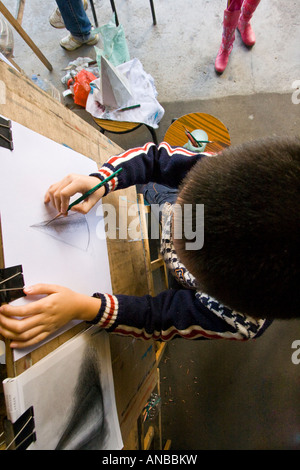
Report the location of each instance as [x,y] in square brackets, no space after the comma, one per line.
[244,26]
[229,26]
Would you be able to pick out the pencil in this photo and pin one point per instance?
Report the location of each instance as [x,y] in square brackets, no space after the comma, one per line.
[195,141]
[191,138]
[130,107]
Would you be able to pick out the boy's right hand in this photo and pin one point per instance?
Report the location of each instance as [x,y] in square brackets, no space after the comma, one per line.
[59,193]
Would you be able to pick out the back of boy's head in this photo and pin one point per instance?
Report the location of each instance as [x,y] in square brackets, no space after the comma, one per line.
[250,257]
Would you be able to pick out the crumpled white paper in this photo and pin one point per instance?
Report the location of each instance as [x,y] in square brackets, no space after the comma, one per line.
[143,92]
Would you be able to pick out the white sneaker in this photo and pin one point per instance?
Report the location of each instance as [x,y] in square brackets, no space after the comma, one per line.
[70,43]
[56,19]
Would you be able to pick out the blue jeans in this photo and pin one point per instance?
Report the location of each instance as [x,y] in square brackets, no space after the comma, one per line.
[155,193]
[75,18]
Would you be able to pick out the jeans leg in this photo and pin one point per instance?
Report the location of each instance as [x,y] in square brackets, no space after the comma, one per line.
[75,18]
[155,193]
[159,194]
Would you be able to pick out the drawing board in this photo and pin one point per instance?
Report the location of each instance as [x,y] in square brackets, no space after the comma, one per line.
[72,252]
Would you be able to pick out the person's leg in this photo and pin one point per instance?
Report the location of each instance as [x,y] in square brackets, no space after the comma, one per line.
[231,17]
[157,195]
[56,19]
[75,18]
[77,23]
[233,5]
[244,27]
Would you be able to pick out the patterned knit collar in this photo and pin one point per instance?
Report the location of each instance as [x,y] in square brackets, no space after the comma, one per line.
[173,263]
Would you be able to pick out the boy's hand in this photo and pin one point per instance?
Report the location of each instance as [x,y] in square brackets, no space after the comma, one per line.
[45,316]
[59,193]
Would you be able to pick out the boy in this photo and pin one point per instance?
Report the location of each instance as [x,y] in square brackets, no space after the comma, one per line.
[245,275]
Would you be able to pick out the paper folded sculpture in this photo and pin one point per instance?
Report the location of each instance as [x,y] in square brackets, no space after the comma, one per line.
[115,87]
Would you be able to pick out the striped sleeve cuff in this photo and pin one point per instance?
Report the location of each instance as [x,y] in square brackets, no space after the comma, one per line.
[104,172]
[108,311]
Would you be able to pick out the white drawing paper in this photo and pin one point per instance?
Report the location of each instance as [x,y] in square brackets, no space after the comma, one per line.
[71,252]
[72,395]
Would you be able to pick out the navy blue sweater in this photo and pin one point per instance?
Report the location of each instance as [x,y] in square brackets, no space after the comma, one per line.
[187,312]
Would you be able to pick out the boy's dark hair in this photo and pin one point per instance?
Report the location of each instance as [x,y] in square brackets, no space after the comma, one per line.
[250,257]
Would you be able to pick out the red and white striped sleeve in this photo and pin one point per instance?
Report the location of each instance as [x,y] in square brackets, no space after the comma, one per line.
[174,313]
[161,164]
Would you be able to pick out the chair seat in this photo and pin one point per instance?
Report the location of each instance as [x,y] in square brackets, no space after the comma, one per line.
[121,127]
[217,132]
[118,127]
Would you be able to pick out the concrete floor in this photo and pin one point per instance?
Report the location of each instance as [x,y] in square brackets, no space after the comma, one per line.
[179,52]
[215,395]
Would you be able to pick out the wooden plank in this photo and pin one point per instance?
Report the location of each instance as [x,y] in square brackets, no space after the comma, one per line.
[144,230]
[135,408]
[20,11]
[156,264]
[148,438]
[160,349]
[159,426]
[167,445]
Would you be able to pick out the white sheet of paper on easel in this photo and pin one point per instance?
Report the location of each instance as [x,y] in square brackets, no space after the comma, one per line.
[115,87]
[71,251]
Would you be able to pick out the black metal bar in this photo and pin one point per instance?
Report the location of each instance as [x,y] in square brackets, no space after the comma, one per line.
[94,13]
[153,12]
[113,7]
[153,134]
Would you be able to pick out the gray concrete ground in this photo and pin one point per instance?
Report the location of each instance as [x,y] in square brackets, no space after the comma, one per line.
[179,52]
[215,395]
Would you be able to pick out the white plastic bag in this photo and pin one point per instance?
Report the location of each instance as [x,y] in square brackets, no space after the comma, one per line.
[6,39]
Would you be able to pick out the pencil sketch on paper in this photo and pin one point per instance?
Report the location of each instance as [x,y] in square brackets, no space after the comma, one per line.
[71,391]
[72,230]
[87,427]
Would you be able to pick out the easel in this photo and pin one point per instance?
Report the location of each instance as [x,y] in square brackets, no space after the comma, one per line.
[134,362]
[16,23]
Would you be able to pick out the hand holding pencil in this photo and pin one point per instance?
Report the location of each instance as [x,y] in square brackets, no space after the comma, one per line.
[91,188]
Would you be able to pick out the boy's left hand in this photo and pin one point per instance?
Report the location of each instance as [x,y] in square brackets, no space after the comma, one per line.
[37,320]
